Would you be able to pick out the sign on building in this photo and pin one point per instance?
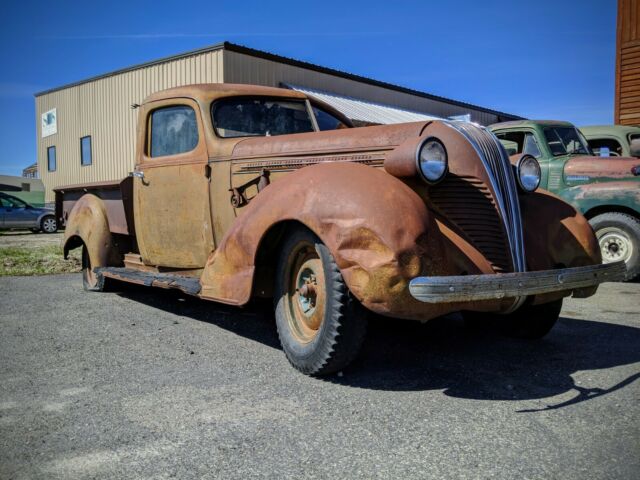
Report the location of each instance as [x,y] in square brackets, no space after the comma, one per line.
[49,123]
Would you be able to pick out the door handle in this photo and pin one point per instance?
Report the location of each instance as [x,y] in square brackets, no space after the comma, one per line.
[136,174]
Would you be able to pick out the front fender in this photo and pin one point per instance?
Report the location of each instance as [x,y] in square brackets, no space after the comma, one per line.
[88,224]
[555,233]
[375,226]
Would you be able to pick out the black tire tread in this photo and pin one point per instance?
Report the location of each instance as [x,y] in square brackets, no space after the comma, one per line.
[530,322]
[42,223]
[633,224]
[100,285]
[345,323]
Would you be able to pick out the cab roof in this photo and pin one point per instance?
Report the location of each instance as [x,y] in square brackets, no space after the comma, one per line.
[604,129]
[210,91]
[530,123]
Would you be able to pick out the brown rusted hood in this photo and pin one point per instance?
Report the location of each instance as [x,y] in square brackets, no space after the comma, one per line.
[599,167]
[380,137]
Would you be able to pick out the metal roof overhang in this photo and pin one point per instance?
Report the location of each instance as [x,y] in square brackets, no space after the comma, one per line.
[363,111]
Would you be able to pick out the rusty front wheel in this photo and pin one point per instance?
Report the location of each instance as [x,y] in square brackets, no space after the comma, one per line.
[320,325]
[91,281]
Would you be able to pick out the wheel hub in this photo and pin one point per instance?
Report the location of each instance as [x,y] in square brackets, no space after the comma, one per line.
[615,245]
[306,294]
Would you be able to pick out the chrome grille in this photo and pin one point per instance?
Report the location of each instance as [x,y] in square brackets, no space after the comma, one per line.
[467,203]
[500,171]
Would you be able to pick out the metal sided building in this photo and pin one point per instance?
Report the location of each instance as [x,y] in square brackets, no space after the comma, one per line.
[86,130]
[627,102]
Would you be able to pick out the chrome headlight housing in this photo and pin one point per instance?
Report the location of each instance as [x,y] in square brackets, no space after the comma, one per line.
[432,160]
[528,173]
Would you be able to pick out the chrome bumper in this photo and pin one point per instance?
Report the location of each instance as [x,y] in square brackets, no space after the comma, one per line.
[470,288]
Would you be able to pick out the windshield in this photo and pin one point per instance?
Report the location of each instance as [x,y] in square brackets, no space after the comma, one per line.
[565,141]
[250,117]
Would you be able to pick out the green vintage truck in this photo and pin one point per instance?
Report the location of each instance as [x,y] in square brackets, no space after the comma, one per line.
[613,140]
[606,190]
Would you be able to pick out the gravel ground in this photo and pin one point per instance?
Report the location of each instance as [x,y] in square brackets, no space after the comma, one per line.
[148,384]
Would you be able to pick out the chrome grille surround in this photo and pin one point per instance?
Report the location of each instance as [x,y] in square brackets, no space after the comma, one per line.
[500,171]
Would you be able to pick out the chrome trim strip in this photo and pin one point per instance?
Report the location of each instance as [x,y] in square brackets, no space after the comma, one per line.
[470,288]
[500,171]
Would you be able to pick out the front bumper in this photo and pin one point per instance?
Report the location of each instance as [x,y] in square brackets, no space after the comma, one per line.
[470,288]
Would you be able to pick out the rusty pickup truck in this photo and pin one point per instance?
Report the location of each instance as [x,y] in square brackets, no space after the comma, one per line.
[242,191]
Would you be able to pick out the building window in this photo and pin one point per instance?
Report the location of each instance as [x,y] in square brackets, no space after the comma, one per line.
[26,187]
[51,159]
[174,130]
[85,151]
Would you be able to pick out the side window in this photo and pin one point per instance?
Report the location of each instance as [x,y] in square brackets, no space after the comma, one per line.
[174,130]
[326,121]
[596,144]
[85,151]
[13,202]
[51,159]
[516,143]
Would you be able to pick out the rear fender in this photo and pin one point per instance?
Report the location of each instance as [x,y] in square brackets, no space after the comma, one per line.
[88,224]
[376,227]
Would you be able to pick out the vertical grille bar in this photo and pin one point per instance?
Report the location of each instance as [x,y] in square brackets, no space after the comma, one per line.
[497,164]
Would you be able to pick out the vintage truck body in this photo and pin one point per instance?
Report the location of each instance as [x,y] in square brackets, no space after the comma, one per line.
[619,140]
[242,191]
[604,189]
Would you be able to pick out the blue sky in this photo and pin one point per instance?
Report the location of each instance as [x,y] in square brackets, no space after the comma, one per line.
[539,59]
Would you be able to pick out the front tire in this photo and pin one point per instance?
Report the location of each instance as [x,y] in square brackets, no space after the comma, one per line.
[530,322]
[618,235]
[91,281]
[48,224]
[320,325]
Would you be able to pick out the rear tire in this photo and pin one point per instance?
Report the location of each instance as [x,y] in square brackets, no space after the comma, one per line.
[91,281]
[48,224]
[320,324]
[618,235]
[531,322]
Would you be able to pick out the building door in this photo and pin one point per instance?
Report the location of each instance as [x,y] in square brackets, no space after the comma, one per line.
[171,191]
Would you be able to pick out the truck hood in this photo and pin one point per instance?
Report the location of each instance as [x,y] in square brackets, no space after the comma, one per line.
[381,137]
[591,169]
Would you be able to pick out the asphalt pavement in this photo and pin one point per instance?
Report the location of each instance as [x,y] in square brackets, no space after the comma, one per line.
[146,383]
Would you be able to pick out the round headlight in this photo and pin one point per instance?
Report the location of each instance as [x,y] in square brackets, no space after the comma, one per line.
[432,161]
[528,173]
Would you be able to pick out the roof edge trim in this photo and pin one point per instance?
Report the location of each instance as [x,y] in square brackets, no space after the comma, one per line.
[232,47]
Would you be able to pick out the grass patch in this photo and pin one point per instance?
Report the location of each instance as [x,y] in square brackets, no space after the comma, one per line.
[43,260]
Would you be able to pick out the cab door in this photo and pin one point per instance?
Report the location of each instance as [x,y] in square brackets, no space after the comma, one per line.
[171,188]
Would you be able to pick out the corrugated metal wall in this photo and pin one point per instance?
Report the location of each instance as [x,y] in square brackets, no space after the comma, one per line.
[627,107]
[102,109]
[241,68]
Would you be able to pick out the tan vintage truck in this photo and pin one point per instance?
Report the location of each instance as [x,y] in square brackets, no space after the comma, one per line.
[242,191]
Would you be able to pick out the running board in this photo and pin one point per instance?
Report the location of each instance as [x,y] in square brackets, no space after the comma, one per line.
[189,285]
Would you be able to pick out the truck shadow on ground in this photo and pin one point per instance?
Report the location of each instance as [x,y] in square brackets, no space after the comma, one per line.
[443,355]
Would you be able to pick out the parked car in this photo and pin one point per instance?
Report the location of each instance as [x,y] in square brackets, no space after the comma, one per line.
[605,190]
[613,140]
[17,214]
[237,193]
